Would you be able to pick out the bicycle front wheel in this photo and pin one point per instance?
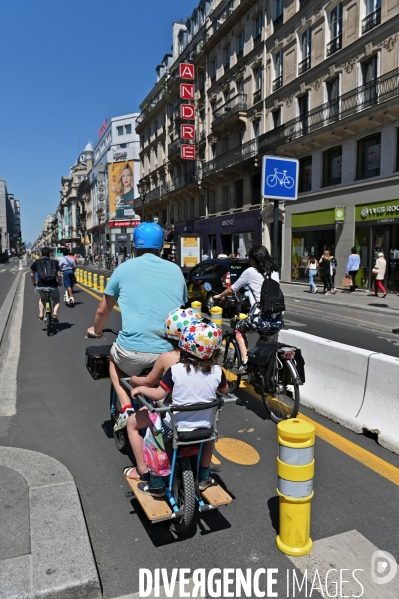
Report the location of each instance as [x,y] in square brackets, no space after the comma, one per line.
[283,403]
[231,364]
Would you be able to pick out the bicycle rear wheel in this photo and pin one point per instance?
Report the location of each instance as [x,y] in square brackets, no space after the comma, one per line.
[231,363]
[120,437]
[283,402]
[48,318]
[184,492]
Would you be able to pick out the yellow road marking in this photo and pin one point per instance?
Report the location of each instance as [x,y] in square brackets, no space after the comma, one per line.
[341,316]
[354,451]
[215,461]
[237,451]
[96,295]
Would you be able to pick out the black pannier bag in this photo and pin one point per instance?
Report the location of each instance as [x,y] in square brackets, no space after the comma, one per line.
[97,361]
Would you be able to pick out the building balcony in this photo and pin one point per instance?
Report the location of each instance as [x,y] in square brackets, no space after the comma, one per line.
[231,111]
[371,21]
[304,65]
[150,107]
[174,148]
[257,96]
[224,21]
[343,108]
[277,83]
[231,158]
[193,175]
[334,45]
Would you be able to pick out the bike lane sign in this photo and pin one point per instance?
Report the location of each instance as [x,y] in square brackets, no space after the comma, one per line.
[280,178]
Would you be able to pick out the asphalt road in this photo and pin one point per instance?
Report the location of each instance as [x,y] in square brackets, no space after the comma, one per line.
[7,275]
[63,413]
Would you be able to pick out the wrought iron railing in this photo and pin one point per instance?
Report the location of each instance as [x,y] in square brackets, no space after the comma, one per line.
[257,96]
[239,102]
[334,45]
[375,92]
[371,21]
[304,65]
[277,83]
[230,158]
[191,176]
[174,147]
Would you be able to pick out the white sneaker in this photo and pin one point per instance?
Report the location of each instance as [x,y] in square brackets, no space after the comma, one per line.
[71,300]
[122,420]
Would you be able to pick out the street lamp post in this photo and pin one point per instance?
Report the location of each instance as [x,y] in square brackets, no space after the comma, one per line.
[143,188]
[83,222]
[100,215]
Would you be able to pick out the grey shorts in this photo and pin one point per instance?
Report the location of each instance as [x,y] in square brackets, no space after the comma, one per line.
[55,295]
[131,362]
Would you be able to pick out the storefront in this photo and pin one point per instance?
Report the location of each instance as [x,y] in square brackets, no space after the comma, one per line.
[227,234]
[377,230]
[311,233]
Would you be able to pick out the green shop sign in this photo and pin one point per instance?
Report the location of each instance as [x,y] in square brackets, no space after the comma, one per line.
[339,214]
[378,211]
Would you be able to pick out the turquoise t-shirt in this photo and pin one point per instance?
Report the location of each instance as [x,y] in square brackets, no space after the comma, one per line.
[147,288]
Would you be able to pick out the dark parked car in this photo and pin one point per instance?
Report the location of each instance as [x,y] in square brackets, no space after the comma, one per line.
[219,273]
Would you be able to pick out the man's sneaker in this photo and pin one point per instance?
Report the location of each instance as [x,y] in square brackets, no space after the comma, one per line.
[122,420]
[71,301]
[204,484]
[327,293]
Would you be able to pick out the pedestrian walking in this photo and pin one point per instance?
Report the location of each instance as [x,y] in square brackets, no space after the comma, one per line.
[312,267]
[334,265]
[379,272]
[325,266]
[352,268]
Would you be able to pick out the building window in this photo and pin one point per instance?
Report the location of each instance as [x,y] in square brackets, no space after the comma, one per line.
[373,18]
[226,198]
[128,129]
[369,156]
[201,81]
[306,45]
[278,70]
[397,149]
[258,77]
[369,72]
[332,166]
[276,118]
[239,193]
[278,14]
[240,86]
[305,174]
[333,99]
[258,27]
[240,44]
[335,30]
[213,69]
[212,201]
[119,130]
[256,188]
[256,129]
[227,52]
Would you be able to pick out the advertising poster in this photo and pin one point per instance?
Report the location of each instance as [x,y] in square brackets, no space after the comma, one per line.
[190,251]
[121,190]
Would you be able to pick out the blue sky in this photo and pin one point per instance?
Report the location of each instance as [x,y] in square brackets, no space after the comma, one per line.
[65,66]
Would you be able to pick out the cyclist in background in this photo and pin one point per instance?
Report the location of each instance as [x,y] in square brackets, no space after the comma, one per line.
[45,272]
[68,266]
[146,289]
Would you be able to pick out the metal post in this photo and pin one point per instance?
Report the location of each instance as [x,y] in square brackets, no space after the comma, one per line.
[275,231]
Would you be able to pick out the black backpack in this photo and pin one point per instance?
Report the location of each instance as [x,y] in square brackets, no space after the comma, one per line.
[47,271]
[271,299]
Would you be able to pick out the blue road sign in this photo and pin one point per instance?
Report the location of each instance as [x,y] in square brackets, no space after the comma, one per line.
[279,178]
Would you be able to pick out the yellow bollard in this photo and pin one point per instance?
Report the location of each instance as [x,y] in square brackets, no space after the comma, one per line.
[95,281]
[198,307]
[295,469]
[216,315]
[85,277]
[90,279]
[101,285]
[78,274]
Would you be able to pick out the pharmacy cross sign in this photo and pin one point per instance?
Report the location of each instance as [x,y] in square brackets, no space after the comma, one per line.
[280,178]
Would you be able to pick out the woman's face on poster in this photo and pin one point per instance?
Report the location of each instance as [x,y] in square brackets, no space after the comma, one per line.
[126,178]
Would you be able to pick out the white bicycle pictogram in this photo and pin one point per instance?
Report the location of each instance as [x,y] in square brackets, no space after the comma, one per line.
[283,179]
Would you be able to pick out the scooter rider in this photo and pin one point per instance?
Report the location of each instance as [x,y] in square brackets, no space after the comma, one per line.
[146,289]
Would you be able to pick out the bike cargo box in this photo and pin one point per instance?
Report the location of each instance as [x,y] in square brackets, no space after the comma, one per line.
[97,361]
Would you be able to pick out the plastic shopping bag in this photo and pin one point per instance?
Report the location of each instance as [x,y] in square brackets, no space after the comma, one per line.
[154,452]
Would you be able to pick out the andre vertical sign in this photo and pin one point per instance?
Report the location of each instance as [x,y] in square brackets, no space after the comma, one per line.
[187,111]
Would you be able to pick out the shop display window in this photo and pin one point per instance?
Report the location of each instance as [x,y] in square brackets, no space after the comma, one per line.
[332,166]
[305,243]
[305,174]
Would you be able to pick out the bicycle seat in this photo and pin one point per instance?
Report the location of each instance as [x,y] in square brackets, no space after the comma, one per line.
[196,435]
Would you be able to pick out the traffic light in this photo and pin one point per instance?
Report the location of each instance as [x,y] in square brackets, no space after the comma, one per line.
[19,235]
[107,239]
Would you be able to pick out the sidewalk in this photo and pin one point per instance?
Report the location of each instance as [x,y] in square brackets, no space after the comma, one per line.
[361,300]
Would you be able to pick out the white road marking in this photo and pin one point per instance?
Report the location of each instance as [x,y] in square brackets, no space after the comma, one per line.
[3,270]
[291,323]
[393,341]
[8,372]
[349,551]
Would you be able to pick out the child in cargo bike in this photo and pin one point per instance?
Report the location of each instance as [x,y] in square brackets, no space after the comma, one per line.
[195,378]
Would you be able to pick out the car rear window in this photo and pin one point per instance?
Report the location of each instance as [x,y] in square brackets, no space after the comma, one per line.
[236,270]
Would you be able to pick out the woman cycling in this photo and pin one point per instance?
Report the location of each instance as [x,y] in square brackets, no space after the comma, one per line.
[262,264]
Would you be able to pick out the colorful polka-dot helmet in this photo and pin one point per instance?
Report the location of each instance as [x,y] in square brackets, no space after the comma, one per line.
[201,339]
[177,320]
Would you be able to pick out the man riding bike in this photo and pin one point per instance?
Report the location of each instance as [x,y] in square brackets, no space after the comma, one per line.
[146,289]
[68,266]
[45,273]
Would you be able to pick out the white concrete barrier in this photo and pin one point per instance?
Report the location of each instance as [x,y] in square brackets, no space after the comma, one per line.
[380,410]
[335,377]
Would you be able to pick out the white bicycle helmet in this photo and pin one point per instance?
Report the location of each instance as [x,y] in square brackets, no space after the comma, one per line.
[177,320]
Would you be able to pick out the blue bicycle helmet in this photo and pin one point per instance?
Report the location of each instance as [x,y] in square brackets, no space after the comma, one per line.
[148,235]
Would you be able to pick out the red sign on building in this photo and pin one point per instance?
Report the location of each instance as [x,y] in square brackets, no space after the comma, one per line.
[186,70]
[187,131]
[187,91]
[188,151]
[187,111]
